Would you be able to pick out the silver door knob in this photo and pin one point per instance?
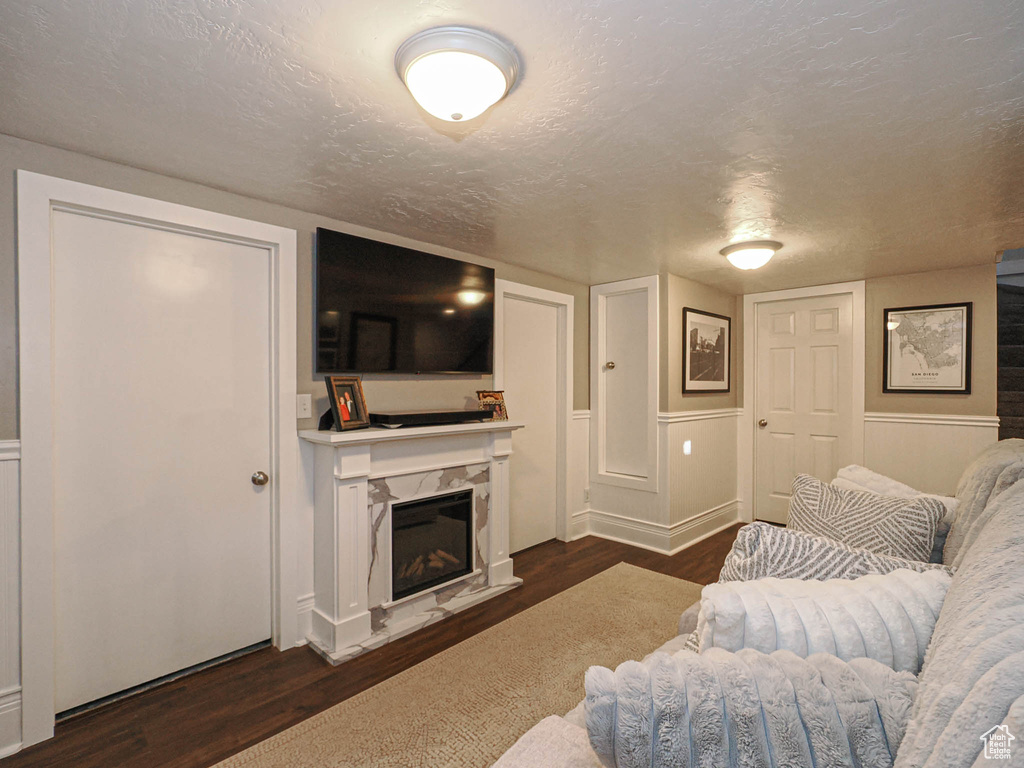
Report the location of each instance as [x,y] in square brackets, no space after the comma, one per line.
[609,366]
[762,423]
[260,478]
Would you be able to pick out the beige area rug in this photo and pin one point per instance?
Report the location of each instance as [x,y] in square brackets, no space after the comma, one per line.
[465,706]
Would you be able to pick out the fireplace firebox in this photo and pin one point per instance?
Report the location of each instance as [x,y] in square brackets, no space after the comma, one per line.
[430,542]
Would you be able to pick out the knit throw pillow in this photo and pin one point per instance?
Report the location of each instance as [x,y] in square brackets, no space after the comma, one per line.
[888,525]
[762,550]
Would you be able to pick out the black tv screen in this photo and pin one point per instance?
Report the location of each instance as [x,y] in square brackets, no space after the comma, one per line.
[381,308]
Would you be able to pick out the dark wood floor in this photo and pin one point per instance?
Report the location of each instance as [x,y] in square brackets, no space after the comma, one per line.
[200,719]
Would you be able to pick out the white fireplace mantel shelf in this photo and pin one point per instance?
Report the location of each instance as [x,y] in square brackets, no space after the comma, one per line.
[358,474]
[382,434]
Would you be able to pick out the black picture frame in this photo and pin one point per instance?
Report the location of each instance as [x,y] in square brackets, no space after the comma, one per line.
[706,370]
[900,379]
[348,405]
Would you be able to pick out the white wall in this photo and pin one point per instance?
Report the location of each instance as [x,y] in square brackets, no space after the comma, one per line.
[10,618]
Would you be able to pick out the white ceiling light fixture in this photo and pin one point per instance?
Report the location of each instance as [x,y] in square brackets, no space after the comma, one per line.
[752,254]
[456,73]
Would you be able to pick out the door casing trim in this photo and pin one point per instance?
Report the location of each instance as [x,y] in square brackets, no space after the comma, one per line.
[745,432]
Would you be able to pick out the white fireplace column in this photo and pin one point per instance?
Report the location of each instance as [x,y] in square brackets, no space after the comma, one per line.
[344,623]
[341,529]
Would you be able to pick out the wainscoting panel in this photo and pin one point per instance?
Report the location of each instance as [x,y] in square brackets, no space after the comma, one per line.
[696,494]
[704,479]
[10,614]
[578,471]
[926,451]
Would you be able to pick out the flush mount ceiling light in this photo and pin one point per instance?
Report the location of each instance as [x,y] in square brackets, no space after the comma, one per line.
[456,73]
[752,254]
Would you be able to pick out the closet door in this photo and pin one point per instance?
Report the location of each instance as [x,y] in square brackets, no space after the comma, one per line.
[624,383]
[162,403]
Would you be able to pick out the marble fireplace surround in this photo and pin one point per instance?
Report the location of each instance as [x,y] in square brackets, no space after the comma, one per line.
[358,475]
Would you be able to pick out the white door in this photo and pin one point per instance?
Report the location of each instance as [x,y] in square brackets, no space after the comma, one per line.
[804,396]
[162,411]
[624,382]
[625,375]
[531,379]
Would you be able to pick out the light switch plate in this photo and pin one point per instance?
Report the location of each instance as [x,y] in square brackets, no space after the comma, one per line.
[304,406]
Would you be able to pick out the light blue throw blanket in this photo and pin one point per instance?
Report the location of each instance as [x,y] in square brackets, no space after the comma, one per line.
[747,709]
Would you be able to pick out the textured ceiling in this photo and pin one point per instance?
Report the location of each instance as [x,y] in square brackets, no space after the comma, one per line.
[871,137]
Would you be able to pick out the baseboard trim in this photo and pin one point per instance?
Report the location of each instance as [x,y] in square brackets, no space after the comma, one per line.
[581,414]
[10,722]
[579,524]
[304,617]
[656,537]
[10,450]
[939,419]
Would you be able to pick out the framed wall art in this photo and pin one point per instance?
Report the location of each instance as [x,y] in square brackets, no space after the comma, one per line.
[707,339]
[493,402]
[347,402]
[928,349]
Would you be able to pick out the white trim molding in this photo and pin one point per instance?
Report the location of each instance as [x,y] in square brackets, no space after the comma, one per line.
[942,419]
[745,433]
[659,537]
[304,613]
[38,197]
[599,295]
[679,417]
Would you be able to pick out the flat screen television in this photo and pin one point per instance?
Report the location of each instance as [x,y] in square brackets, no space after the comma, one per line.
[381,308]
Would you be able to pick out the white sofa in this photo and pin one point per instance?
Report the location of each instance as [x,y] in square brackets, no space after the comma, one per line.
[973,677]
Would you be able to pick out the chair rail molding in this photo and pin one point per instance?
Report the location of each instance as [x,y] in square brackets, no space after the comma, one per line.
[945,419]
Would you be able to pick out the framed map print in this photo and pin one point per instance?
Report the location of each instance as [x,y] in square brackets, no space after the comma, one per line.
[928,349]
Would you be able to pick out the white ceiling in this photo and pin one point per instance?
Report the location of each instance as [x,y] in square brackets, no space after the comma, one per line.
[871,137]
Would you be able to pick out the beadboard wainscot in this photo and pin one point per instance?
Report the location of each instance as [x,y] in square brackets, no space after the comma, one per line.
[358,475]
[10,614]
[928,451]
[696,493]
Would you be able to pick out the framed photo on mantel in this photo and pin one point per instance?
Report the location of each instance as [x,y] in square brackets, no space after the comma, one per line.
[928,349]
[347,402]
[706,342]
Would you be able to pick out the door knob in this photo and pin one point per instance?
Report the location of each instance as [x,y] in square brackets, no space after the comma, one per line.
[609,365]
[762,424]
[260,478]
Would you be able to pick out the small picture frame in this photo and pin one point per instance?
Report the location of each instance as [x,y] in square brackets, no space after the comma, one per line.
[707,339]
[347,402]
[927,349]
[493,402]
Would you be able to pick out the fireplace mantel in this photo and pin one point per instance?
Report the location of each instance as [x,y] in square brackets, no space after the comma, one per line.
[357,476]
